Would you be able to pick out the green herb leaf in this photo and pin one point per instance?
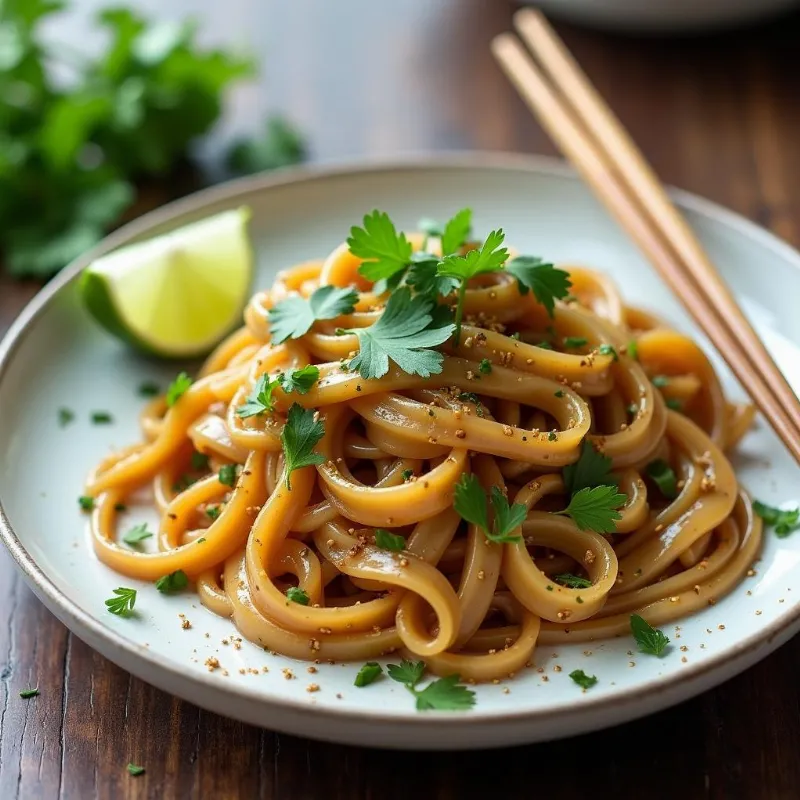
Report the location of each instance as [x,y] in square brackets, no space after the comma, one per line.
[649,639]
[259,401]
[137,534]
[582,679]
[178,388]
[294,316]
[608,350]
[101,418]
[545,345]
[547,283]
[571,342]
[471,397]
[485,367]
[294,594]
[299,380]
[490,257]
[409,673]
[572,581]
[674,404]
[86,503]
[389,541]
[123,601]
[595,509]
[633,349]
[403,333]
[384,250]
[663,476]
[120,507]
[149,389]
[423,276]
[445,694]
[407,475]
[26,694]
[591,469]
[227,474]
[785,521]
[559,393]
[299,437]
[174,582]
[633,409]
[65,416]
[507,518]
[469,501]
[213,512]
[135,770]
[368,674]
[659,381]
[199,461]
[457,231]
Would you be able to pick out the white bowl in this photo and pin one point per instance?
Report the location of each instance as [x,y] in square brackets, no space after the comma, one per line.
[672,15]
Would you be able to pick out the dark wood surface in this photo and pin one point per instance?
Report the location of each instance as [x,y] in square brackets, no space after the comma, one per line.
[719,116]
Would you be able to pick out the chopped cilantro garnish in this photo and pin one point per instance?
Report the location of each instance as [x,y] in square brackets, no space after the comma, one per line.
[547,283]
[664,477]
[408,474]
[785,521]
[213,512]
[659,381]
[199,461]
[259,401]
[178,388]
[595,509]
[137,534]
[389,541]
[123,601]
[650,640]
[299,380]
[135,770]
[572,581]
[149,389]
[299,437]
[227,474]
[485,367]
[470,503]
[404,334]
[86,503]
[571,342]
[674,404]
[101,418]
[444,694]
[65,416]
[633,409]
[26,694]
[471,397]
[608,350]
[632,349]
[294,594]
[582,679]
[591,469]
[174,582]
[293,317]
[559,393]
[368,674]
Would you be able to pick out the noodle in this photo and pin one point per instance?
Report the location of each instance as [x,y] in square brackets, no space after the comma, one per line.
[505,408]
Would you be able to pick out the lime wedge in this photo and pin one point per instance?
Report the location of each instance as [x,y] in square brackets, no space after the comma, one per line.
[178,294]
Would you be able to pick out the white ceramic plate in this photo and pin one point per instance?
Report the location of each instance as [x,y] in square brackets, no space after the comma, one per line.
[55,356]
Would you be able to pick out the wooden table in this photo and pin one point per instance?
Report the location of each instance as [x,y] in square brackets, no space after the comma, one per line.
[718,116]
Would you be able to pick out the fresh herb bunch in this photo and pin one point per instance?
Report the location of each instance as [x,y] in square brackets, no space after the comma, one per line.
[72,151]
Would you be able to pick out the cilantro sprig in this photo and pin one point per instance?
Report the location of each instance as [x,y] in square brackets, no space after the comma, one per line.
[385,251]
[470,503]
[403,334]
[299,437]
[173,582]
[294,316]
[387,540]
[299,380]
[784,521]
[368,674]
[664,477]
[123,601]
[649,639]
[592,468]
[444,694]
[294,594]
[582,679]
[548,283]
[489,257]
[137,534]
[178,388]
[572,581]
[595,509]
[259,401]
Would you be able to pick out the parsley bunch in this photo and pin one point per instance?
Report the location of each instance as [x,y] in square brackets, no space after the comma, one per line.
[72,153]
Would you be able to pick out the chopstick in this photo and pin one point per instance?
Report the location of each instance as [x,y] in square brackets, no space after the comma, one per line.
[587,131]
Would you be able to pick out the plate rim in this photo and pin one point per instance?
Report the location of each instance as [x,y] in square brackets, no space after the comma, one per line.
[46,590]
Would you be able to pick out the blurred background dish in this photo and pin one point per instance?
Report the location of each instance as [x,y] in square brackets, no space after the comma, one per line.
[663,15]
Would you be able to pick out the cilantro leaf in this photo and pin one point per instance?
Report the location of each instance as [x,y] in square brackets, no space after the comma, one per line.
[506,517]
[403,333]
[659,381]
[423,276]
[595,509]
[299,437]
[368,674]
[137,534]
[86,503]
[673,403]
[177,388]
[547,282]
[409,673]
[135,770]
[785,521]
[294,316]
[571,342]
[572,581]
[199,461]
[123,602]
[470,503]
[591,469]
[485,367]
[384,250]
[664,477]
[101,418]
[65,416]
[227,474]
[27,694]
[445,694]
[213,512]
[582,679]
[174,582]
[259,401]
[149,389]
[389,541]
[471,397]
[456,231]
[608,350]
[490,257]
[650,640]
[408,474]
[294,594]
[299,380]
[632,349]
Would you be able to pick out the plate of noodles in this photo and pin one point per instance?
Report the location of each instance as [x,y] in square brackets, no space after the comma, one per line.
[466,475]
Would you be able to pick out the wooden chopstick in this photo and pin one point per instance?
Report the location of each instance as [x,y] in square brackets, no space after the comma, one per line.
[613,167]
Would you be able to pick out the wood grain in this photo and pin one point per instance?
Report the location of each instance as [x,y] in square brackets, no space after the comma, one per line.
[716,115]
